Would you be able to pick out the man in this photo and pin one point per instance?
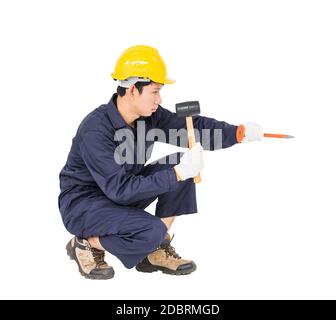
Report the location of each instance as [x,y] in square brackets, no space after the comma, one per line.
[104,194]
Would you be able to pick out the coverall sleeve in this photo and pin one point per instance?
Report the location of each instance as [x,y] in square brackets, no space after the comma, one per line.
[97,151]
[213,134]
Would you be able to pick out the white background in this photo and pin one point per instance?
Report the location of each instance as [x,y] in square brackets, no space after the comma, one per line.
[266,222]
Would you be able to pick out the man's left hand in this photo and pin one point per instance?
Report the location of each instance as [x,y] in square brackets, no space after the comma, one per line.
[253,132]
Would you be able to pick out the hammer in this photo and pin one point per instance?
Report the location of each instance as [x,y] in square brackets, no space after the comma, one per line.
[188,109]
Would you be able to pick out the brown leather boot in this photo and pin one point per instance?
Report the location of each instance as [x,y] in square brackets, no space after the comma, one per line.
[91,263]
[167,260]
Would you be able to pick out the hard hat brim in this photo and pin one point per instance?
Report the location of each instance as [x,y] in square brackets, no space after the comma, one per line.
[169,81]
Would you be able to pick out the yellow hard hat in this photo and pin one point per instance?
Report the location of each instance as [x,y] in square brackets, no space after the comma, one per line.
[142,62]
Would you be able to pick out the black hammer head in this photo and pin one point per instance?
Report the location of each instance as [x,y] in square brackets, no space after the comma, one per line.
[188,108]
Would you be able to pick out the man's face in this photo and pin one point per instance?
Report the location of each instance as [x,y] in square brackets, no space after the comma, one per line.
[147,102]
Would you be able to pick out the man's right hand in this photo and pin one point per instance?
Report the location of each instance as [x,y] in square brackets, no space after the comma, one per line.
[191,163]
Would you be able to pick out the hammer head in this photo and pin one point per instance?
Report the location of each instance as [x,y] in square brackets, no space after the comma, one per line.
[188,108]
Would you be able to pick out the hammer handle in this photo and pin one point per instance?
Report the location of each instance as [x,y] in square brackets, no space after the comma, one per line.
[192,141]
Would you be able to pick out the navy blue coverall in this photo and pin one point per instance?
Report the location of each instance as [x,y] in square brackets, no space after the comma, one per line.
[100,197]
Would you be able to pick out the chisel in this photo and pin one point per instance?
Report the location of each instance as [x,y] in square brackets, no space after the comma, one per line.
[277,135]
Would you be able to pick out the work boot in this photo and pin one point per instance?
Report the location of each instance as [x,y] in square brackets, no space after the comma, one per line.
[167,260]
[91,263]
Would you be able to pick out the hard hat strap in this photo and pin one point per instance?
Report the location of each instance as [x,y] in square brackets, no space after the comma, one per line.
[132,80]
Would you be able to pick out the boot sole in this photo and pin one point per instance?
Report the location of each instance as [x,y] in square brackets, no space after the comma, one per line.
[87,276]
[151,268]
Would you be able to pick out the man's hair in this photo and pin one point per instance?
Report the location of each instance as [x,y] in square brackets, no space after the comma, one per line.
[139,85]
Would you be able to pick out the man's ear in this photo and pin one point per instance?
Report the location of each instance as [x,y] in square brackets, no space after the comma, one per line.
[132,90]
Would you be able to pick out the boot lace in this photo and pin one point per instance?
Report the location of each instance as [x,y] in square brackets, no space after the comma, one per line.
[98,256]
[169,249]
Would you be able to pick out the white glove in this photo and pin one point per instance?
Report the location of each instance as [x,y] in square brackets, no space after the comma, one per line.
[191,162]
[253,132]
